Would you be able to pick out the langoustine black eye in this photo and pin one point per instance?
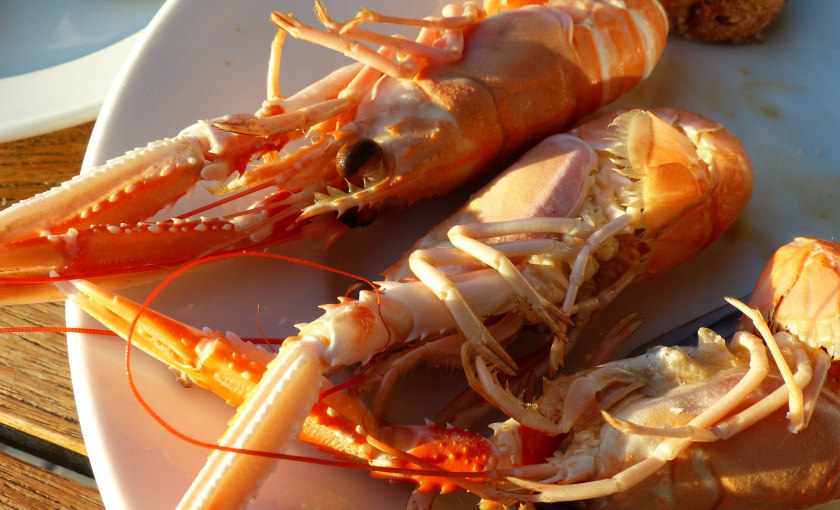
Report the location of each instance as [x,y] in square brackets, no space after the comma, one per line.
[362,158]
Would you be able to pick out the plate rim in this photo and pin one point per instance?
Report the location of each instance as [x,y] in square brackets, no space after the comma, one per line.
[39,110]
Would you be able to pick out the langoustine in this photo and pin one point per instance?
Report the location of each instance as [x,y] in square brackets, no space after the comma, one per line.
[714,426]
[621,198]
[385,132]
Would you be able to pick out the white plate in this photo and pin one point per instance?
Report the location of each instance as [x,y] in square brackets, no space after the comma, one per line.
[200,60]
[60,58]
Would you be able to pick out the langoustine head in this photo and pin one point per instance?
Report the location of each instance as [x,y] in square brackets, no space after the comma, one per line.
[712,426]
[692,179]
[694,427]
[765,466]
[799,292]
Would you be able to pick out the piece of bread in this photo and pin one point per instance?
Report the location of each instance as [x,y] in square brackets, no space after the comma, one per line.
[722,21]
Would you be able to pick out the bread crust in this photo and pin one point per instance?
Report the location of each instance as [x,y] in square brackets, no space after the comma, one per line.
[722,21]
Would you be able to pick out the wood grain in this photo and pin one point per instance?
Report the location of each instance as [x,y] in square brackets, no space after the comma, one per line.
[37,409]
[35,164]
[25,486]
[35,391]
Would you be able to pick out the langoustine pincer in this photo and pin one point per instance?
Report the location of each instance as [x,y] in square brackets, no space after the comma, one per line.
[553,239]
[475,88]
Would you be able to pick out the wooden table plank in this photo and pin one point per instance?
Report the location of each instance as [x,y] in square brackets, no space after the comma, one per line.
[35,391]
[35,164]
[36,396]
[29,487]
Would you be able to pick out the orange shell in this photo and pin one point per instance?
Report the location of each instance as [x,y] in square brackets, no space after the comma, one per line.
[799,292]
[695,178]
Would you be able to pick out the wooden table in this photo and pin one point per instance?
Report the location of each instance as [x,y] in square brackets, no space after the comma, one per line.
[37,410]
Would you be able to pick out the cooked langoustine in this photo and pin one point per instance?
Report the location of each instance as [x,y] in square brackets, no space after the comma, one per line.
[476,87]
[750,425]
[553,239]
